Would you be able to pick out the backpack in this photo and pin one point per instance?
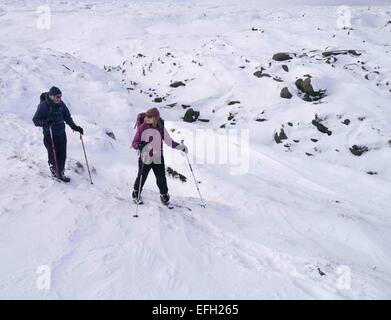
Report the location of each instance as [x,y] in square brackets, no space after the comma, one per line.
[42,97]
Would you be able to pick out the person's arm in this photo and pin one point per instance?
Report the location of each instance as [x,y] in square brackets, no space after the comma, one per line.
[168,140]
[41,115]
[137,138]
[69,121]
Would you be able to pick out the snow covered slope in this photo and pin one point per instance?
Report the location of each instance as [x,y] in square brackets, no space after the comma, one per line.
[309,219]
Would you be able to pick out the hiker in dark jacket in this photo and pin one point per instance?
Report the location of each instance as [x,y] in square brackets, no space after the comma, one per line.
[51,115]
[149,141]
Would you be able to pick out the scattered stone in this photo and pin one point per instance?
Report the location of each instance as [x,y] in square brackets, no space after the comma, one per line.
[305,86]
[158,100]
[111,134]
[322,128]
[309,154]
[261,119]
[191,115]
[203,120]
[176,175]
[278,79]
[279,137]
[290,124]
[285,94]
[233,102]
[372,173]
[321,272]
[361,118]
[185,106]
[177,84]
[338,52]
[260,74]
[171,105]
[358,150]
[282,56]
[296,141]
[231,116]
[285,67]
[222,126]
[346,122]
[314,140]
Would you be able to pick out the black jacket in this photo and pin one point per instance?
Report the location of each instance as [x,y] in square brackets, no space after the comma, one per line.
[47,110]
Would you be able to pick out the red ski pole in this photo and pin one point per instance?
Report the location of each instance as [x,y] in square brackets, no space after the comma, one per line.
[54,152]
[85,156]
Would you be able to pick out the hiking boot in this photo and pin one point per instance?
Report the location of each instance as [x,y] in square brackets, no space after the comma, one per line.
[165,198]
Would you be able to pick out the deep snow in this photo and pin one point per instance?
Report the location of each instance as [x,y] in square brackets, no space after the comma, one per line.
[290,227]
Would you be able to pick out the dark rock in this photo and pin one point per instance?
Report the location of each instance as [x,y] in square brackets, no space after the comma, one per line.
[305,86]
[185,106]
[231,116]
[346,121]
[233,102]
[322,128]
[285,67]
[282,56]
[321,272]
[177,84]
[278,79]
[296,141]
[285,93]
[314,140]
[222,126]
[279,137]
[191,115]
[372,173]
[176,175]
[358,150]
[158,100]
[338,52]
[309,154]
[261,119]
[171,105]
[290,124]
[110,134]
[203,120]
[260,74]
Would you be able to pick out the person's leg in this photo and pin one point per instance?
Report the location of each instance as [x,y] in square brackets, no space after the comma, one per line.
[160,173]
[47,141]
[61,151]
[143,169]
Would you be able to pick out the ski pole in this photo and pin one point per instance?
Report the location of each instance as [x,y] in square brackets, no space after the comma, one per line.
[195,181]
[139,185]
[85,156]
[54,152]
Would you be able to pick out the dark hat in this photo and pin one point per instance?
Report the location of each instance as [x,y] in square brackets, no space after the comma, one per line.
[153,112]
[54,91]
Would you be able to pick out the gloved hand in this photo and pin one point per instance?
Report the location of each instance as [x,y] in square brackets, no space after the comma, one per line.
[80,130]
[183,148]
[141,145]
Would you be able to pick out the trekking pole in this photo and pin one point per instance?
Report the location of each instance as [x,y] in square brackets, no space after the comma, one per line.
[139,185]
[195,181]
[54,152]
[85,156]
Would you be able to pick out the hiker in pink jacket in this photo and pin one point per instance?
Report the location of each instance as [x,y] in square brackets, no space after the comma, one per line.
[148,140]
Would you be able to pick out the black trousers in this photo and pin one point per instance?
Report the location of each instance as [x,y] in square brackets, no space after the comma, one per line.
[158,170]
[60,144]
